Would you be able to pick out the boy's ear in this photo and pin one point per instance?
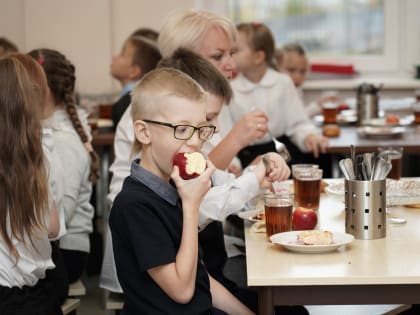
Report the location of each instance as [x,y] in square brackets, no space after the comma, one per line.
[135,72]
[141,132]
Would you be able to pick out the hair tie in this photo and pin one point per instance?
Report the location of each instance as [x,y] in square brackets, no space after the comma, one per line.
[255,25]
[41,60]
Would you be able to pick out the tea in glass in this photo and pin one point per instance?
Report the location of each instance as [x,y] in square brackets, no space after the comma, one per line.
[307,186]
[329,111]
[278,213]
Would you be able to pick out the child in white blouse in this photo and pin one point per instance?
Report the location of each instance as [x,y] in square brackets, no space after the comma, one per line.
[28,216]
[294,62]
[259,87]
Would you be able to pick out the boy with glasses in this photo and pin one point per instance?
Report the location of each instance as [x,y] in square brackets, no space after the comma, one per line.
[154,218]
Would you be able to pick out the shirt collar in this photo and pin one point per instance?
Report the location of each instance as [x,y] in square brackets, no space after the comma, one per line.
[127,88]
[165,190]
[268,80]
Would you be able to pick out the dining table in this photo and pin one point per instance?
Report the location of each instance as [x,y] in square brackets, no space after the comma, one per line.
[376,271]
[409,139]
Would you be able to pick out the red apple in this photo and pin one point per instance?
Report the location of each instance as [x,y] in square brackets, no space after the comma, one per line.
[190,165]
[304,219]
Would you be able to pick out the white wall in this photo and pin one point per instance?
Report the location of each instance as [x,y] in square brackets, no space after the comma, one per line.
[88,32]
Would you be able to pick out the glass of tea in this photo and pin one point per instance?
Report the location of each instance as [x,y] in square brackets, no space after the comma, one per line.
[329,111]
[395,155]
[307,185]
[278,212]
[416,109]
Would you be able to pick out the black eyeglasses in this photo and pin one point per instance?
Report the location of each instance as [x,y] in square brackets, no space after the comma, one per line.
[185,132]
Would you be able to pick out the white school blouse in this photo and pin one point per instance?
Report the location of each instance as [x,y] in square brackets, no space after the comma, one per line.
[32,264]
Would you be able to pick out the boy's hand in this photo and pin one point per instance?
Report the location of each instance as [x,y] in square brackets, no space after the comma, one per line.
[192,191]
[276,169]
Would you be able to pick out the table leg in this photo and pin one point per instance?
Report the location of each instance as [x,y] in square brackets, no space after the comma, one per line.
[102,184]
[265,301]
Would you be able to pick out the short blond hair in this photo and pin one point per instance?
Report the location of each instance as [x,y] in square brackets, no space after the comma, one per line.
[186,29]
[149,95]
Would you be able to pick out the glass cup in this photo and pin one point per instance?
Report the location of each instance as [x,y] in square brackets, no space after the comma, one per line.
[307,185]
[416,111]
[329,111]
[394,154]
[278,212]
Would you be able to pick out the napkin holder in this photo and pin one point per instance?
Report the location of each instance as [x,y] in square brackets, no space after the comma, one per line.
[365,207]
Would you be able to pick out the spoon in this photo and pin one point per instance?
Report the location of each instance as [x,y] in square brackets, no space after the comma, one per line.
[280,147]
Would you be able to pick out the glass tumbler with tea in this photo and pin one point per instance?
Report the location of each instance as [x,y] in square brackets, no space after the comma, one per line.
[416,107]
[307,186]
[278,212]
[395,155]
[329,111]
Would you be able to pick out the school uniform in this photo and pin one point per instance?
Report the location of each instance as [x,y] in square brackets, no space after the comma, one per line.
[24,288]
[146,227]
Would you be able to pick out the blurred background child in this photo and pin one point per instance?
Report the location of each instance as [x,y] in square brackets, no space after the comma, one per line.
[292,60]
[138,56]
[259,87]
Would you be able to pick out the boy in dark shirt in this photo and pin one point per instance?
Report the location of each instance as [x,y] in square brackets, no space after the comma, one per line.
[154,218]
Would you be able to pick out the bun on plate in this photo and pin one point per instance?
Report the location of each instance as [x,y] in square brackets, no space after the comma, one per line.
[331,131]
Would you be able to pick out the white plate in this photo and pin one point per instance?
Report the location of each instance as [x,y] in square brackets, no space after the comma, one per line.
[335,187]
[380,131]
[289,241]
[403,121]
[398,192]
[249,215]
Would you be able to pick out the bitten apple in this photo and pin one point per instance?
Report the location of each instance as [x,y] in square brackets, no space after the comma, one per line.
[304,219]
[190,165]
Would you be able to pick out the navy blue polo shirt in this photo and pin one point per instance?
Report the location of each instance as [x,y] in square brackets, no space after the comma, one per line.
[146,227]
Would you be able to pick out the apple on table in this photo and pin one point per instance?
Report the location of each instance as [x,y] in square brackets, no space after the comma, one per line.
[304,219]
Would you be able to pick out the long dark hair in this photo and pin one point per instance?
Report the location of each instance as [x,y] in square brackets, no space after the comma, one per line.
[23,176]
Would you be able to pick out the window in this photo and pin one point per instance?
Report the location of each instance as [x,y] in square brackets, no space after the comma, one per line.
[377,36]
[323,27]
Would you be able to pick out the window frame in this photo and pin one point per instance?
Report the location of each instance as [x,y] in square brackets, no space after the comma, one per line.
[400,43]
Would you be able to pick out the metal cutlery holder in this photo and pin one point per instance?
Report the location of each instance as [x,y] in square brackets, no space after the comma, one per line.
[365,206]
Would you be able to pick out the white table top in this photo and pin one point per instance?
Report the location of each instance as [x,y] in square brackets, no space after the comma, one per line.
[391,260]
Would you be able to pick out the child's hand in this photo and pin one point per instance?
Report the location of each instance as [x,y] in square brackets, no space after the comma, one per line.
[250,127]
[193,190]
[276,169]
[316,144]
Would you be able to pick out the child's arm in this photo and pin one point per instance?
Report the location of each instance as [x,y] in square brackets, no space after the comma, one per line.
[178,279]
[225,301]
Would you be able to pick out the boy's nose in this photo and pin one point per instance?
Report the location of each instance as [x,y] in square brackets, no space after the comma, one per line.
[195,142]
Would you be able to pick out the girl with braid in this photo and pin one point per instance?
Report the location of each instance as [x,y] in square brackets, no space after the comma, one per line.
[71,135]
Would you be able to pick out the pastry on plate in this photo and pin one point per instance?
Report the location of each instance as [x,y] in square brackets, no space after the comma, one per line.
[315,237]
